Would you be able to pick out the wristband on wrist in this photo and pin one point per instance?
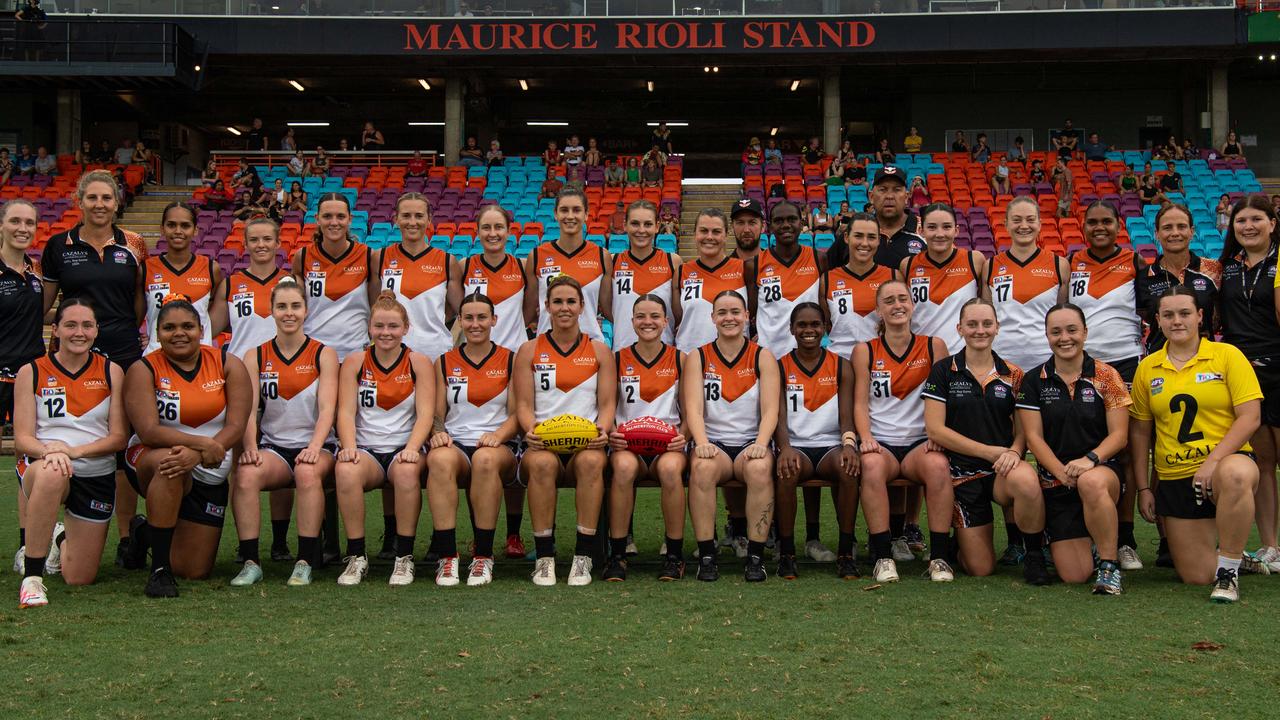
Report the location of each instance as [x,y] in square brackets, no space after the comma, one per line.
[1145,488]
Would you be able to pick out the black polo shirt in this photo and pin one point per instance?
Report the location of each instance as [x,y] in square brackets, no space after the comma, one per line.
[892,250]
[109,282]
[1246,309]
[21,318]
[1074,417]
[979,410]
[1200,275]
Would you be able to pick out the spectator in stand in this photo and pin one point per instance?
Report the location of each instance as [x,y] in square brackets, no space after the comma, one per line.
[6,166]
[278,193]
[105,153]
[1172,180]
[959,144]
[1232,147]
[1128,182]
[1000,184]
[246,177]
[844,218]
[919,194]
[618,220]
[913,142]
[753,155]
[219,197]
[471,154]
[1094,148]
[271,200]
[812,151]
[1149,192]
[821,221]
[662,138]
[655,154]
[417,165]
[25,163]
[1175,149]
[1223,211]
[210,174]
[1066,139]
[142,156]
[288,143]
[45,164]
[835,172]
[297,164]
[1146,172]
[1017,153]
[982,151]
[846,154]
[575,177]
[651,174]
[127,191]
[30,30]
[573,152]
[463,10]
[551,156]
[319,166]
[1036,174]
[371,139]
[614,175]
[494,156]
[1189,150]
[633,173]
[124,153]
[773,153]
[297,198]
[668,221]
[550,187]
[247,207]
[343,146]
[885,155]
[855,173]
[256,138]
[1063,186]
[592,158]
[84,156]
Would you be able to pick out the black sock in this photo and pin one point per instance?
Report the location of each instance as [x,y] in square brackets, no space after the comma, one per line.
[675,547]
[249,550]
[22,537]
[880,543]
[34,566]
[786,545]
[307,549]
[1126,535]
[1164,546]
[1012,534]
[471,512]
[161,541]
[811,531]
[279,533]
[617,547]
[939,545]
[848,541]
[706,548]
[755,550]
[896,525]
[484,542]
[544,546]
[445,542]
[355,547]
[388,531]
[404,544]
[737,526]
[586,544]
[513,523]
[1033,541]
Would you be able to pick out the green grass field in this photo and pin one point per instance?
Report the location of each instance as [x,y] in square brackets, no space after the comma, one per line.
[815,648]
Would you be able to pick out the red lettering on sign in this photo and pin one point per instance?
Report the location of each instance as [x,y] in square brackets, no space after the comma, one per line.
[627,36]
[415,40]
[799,37]
[752,38]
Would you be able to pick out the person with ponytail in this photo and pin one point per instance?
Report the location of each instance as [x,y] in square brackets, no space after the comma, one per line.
[423,279]
[180,271]
[642,270]
[335,272]
[571,255]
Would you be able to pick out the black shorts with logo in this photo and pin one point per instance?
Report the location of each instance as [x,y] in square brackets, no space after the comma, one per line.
[205,504]
[1064,514]
[973,498]
[1177,499]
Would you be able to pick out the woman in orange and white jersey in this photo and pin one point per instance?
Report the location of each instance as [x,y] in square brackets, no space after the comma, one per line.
[815,436]
[889,371]
[564,371]
[701,281]
[291,445]
[498,276]
[68,424]
[642,270]
[386,399]
[729,391]
[178,271]
[248,290]
[422,278]
[648,386]
[188,404]
[571,255]
[1024,282]
[473,441]
[338,276]
[849,291]
[943,277]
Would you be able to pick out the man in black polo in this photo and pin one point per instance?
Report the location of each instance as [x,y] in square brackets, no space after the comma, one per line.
[898,238]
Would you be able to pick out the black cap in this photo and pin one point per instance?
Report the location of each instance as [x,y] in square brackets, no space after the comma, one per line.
[890,172]
[747,205]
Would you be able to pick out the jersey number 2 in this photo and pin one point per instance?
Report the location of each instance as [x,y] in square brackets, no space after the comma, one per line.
[1188,406]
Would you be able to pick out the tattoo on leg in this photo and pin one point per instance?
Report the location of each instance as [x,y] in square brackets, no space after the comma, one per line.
[762,525]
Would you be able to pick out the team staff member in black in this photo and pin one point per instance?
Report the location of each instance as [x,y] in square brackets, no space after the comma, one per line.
[1075,417]
[100,262]
[898,238]
[969,402]
[21,316]
[1177,265]
[1247,317]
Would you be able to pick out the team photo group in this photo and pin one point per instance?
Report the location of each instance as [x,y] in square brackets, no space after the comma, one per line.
[903,371]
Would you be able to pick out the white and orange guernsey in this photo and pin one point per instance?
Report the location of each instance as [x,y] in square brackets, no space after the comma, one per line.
[586,265]
[194,281]
[288,391]
[73,408]
[812,400]
[698,286]
[385,409]
[420,283]
[504,286]
[249,309]
[565,380]
[193,402]
[1106,289]
[731,393]
[650,388]
[632,278]
[337,296]
[780,286]
[939,290]
[475,393]
[896,405]
[1022,292]
[851,305]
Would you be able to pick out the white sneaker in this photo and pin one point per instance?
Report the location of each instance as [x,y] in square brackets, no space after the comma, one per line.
[1269,556]
[580,571]
[53,561]
[819,552]
[19,560]
[739,547]
[447,571]
[886,571]
[480,572]
[357,568]
[32,593]
[1226,589]
[632,550]
[544,572]
[900,551]
[1129,559]
[940,571]
[402,572]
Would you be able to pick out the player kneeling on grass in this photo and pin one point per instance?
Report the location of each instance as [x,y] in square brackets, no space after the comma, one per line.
[68,423]
[1203,401]
[188,404]
[730,396]
[648,390]
[1075,417]
[473,441]
[386,398]
[288,439]
[889,372]
[564,372]
[815,436]
[969,400]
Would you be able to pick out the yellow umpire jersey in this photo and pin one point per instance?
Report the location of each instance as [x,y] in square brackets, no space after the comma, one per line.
[1192,408]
